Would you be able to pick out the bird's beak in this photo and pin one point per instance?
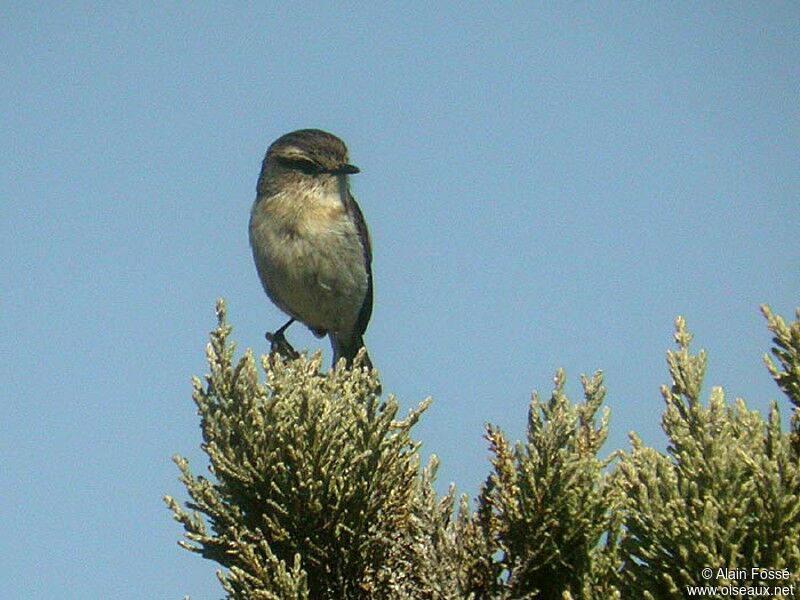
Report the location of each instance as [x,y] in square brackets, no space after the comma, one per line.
[346,170]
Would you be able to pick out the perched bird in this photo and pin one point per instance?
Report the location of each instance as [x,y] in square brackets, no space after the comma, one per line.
[310,242]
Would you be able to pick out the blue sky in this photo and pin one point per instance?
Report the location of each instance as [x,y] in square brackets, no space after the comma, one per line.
[547,185]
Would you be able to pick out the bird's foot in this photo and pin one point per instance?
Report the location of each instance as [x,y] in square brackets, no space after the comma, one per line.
[278,344]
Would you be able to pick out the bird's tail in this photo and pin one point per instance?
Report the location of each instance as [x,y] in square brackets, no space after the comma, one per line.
[348,349]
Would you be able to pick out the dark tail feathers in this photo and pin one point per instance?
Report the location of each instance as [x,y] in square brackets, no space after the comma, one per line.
[348,350]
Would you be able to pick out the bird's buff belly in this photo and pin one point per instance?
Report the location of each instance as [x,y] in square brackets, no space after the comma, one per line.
[320,280]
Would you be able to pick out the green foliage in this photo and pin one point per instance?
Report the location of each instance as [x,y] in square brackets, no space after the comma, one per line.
[787,351]
[315,477]
[317,489]
[724,496]
[547,502]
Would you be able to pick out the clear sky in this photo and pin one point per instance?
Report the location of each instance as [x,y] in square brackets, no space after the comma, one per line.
[547,185]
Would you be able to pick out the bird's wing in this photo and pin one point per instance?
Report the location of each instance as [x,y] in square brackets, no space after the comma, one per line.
[363,235]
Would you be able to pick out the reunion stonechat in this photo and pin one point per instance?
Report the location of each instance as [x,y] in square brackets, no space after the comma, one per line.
[310,241]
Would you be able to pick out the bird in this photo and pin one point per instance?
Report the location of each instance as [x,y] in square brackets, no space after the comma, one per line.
[310,241]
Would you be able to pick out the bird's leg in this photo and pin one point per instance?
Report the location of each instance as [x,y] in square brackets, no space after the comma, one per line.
[279,344]
[279,333]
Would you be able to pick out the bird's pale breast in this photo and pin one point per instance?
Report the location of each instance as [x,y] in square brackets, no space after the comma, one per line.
[310,259]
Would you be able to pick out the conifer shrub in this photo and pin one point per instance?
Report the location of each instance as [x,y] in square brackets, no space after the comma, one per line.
[317,489]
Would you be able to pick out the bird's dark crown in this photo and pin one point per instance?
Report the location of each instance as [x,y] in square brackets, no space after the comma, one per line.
[311,151]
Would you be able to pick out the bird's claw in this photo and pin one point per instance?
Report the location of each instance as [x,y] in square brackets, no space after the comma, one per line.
[278,344]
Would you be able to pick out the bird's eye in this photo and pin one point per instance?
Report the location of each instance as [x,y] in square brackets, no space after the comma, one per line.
[300,164]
